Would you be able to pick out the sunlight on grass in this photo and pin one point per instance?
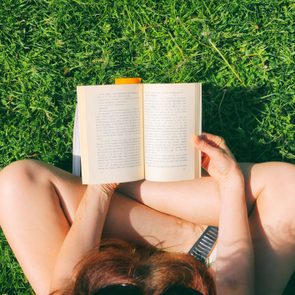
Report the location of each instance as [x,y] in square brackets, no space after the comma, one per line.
[243,52]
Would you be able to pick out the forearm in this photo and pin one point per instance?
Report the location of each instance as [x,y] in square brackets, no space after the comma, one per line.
[84,234]
[235,258]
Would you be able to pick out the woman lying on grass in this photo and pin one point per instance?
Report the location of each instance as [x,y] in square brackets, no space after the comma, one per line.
[52,221]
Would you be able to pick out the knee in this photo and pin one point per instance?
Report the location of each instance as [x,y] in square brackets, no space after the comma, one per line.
[287,183]
[280,190]
[281,180]
[18,175]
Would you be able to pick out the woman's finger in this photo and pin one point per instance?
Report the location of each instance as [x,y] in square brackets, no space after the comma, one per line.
[205,147]
[205,161]
[214,139]
[217,141]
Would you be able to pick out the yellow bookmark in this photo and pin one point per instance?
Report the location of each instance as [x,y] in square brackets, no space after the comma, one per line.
[127,80]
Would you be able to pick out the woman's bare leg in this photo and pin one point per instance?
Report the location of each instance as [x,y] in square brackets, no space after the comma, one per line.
[196,200]
[270,196]
[28,186]
[37,206]
[272,224]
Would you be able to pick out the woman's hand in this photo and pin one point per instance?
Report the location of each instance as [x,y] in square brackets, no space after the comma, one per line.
[217,159]
[107,188]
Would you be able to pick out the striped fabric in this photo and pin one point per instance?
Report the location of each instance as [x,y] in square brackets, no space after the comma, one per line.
[204,245]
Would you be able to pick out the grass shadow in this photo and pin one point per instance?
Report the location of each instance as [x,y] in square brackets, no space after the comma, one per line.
[237,114]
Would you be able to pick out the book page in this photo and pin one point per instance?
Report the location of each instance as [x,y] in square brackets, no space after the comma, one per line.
[169,126]
[110,117]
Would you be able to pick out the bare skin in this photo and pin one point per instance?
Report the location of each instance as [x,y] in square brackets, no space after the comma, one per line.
[270,196]
[38,204]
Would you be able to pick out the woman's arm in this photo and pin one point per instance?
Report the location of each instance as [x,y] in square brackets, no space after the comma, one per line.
[85,232]
[235,259]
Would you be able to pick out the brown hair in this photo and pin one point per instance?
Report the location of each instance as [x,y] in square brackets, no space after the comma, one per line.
[151,269]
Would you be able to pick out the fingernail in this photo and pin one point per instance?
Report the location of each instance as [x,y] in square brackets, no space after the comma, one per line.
[205,161]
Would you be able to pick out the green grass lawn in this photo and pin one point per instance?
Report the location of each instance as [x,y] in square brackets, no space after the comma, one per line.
[242,50]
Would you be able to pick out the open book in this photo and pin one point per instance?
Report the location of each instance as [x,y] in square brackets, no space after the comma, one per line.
[130,132]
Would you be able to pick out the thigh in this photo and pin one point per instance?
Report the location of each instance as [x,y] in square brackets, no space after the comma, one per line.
[272,223]
[37,206]
[197,200]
